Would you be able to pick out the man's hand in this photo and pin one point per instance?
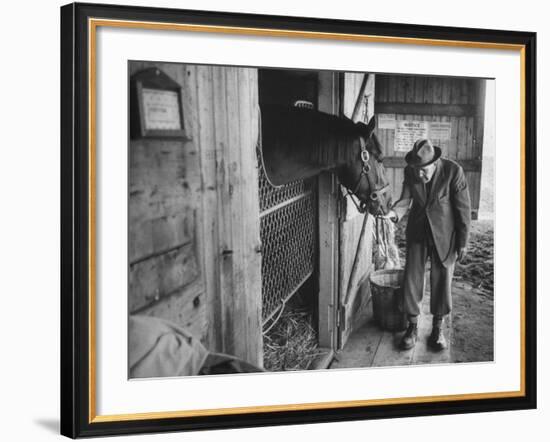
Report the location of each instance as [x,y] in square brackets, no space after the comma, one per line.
[390,215]
[461,254]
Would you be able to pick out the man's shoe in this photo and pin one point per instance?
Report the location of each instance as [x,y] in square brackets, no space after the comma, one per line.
[410,337]
[437,340]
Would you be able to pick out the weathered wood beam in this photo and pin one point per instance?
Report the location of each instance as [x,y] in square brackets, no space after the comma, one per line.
[448,110]
[399,162]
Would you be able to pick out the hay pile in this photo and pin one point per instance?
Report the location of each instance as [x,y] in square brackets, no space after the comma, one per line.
[291,344]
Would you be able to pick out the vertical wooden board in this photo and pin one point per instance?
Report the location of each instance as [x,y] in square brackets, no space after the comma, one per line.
[236,164]
[437,83]
[354,252]
[470,128]
[236,140]
[444,144]
[328,263]
[381,91]
[349,87]
[249,196]
[455,90]
[229,248]
[383,135]
[464,91]
[352,88]
[446,91]
[453,141]
[428,90]
[419,89]
[473,88]
[370,92]
[400,86]
[392,89]
[479,120]
[232,263]
[328,259]
[409,89]
[202,94]
[462,141]
[474,187]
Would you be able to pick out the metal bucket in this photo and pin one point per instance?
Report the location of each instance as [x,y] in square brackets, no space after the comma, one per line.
[387,299]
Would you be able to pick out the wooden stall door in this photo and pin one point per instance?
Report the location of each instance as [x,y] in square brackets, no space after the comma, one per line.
[448,110]
[194,235]
[355,236]
[226,131]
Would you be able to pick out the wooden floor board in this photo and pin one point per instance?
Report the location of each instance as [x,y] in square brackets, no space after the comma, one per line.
[370,346]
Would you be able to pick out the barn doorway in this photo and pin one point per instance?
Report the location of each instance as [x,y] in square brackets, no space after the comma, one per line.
[289,235]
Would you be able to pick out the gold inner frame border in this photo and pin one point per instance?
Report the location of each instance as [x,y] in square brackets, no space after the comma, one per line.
[93,24]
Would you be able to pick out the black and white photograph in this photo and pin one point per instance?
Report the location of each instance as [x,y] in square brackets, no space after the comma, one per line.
[297,219]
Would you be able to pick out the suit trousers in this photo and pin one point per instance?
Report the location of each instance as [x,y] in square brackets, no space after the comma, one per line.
[414,279]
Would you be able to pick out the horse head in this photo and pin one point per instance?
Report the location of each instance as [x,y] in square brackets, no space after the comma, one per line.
[299,143]
[364,176]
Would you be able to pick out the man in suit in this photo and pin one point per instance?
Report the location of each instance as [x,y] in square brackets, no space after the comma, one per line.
[435,191]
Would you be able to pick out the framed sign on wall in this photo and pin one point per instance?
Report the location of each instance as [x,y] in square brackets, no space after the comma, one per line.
[155,105]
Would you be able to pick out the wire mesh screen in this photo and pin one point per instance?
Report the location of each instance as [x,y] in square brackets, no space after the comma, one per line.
[287,230]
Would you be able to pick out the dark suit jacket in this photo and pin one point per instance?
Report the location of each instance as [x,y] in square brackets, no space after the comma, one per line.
[446,209]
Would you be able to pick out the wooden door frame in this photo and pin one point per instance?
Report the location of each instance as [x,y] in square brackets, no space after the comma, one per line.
[328,214]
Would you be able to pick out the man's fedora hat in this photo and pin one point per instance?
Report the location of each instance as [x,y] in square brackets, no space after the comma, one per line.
[423,153]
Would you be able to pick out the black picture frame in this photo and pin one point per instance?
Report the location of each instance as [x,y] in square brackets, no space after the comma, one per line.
[77,252]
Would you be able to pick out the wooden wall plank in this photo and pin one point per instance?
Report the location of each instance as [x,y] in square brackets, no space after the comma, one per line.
[398,162]
[399,107]
[160,276]
[187,308]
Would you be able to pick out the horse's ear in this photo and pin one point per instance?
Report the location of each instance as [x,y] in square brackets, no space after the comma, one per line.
[371,125]
[367,129]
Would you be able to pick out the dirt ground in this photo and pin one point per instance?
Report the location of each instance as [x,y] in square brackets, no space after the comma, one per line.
[473,318]
[472,315]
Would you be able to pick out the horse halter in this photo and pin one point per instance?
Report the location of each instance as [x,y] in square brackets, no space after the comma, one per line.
[362,207]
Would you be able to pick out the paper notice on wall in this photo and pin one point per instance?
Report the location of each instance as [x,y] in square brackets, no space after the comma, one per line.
[407,132]
[386,121]
[440,130]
